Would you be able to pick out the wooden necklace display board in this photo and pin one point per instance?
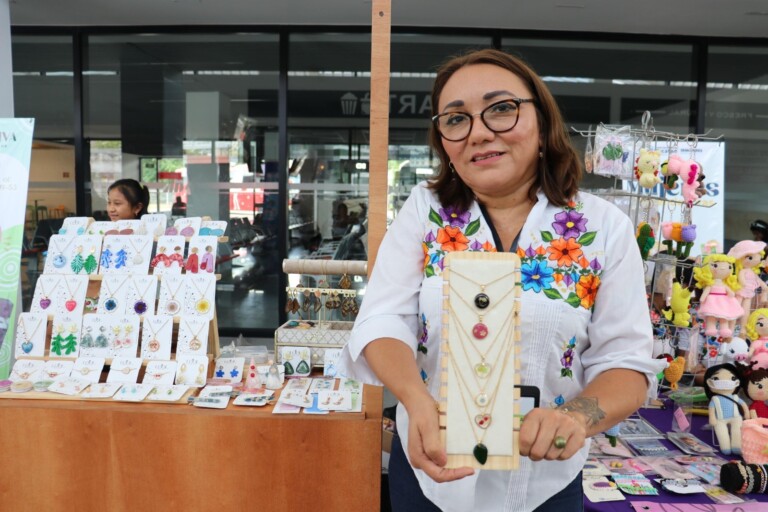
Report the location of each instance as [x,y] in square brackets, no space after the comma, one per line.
[479,404]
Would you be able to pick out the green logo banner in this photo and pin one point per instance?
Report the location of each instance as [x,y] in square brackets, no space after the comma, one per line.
[15,152]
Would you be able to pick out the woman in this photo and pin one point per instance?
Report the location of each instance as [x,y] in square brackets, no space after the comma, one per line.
[506,162]
[127,199]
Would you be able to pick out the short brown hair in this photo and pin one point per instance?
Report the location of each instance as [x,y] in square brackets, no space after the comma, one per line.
[559,170]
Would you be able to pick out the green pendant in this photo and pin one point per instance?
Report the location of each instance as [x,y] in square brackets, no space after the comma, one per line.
[302,367]
[288,367]
[482,370]
[481,453]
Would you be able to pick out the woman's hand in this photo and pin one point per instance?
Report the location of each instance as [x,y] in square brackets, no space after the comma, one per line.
[542,426]
[425,449]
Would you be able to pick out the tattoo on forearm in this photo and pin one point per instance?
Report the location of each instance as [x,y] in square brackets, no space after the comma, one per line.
[586,406]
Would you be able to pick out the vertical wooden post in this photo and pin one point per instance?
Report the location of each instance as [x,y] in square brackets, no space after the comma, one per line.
[381,22]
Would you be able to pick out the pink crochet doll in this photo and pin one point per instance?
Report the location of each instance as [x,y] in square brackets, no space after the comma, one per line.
[689,171]
[757,331]
[718,302]
[748,256]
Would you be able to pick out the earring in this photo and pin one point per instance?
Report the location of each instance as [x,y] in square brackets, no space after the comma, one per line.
[541,153]
[453,169]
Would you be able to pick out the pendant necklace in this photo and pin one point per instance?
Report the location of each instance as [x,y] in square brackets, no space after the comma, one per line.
[138,259]
[172,306]
[154,343]
[111,303]
[483,419]
[45,301]
[482,302]
[195,344]
[59,259]
[483,368]
[71,304]
[27,346]
[202,305]
[140,306]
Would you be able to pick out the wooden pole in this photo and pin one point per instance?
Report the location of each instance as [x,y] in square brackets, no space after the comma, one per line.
[381,23]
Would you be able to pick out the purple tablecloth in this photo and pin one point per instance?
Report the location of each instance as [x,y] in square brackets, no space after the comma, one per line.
[662,419]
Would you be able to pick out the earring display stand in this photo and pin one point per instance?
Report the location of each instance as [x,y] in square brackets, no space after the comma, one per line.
[478,403]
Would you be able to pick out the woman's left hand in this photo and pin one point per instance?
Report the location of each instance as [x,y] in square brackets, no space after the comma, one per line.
[542,427]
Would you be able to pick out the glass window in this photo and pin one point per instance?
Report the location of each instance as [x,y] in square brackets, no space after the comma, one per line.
[737,107]
[194,116]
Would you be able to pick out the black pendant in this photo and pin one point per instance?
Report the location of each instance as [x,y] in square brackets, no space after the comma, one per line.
[482,301]
[481,453]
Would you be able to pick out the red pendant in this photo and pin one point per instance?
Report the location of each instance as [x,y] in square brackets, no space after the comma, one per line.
[70,305]
[480,331]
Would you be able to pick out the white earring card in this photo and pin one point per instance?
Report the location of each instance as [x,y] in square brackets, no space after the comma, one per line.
[95,336]
[212,228]
[186,227]
[65,336]
[154,223]
[101,227]
[192,370]
[204,247]
[480,362]
[75,225]
[169,257]
[126,254]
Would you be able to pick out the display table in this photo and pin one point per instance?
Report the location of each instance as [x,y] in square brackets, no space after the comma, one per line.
[116,456]
[662,420]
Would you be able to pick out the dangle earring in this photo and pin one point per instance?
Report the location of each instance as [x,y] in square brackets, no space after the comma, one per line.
[87,341]
[452,168]
[106,258]
[101,339]
[78,261]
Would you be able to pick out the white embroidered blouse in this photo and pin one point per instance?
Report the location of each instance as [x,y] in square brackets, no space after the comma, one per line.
[584,311]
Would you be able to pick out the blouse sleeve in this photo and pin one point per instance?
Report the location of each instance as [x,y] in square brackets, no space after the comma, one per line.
[391,303]
[620,333]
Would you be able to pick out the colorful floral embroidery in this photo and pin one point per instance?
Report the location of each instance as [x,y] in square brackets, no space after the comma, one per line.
[455,229]
[572,277]
[567,360]
[424,335]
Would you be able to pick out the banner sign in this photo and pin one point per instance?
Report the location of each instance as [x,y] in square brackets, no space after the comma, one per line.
[15,152]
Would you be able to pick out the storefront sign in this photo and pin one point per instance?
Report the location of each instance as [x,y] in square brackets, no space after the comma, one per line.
[15,148]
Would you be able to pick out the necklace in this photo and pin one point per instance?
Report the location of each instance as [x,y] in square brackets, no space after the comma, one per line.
[172,306]
[482,302]
[45,301]
[483,368]
[154,343]
[71,304]
[140,306]
[111,303]
[483,419]
[59,259]
[138,259]
[27,346]
[202,305]
[195,343]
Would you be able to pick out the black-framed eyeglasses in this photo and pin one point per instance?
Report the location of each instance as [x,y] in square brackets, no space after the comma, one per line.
[498,117]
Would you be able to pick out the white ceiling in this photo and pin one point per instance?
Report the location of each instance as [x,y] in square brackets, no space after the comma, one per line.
[719,18]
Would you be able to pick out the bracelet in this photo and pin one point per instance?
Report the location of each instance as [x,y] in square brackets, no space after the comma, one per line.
[750,476]
[743,472]
[762,478]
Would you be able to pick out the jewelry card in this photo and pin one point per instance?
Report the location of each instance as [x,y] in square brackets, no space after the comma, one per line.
[601,489]
[192,370]
[213,397]
[57,370]
[167,393]
[60,251]
[85,255]
[173,289]
[65,335]
[27,369]
[101,227]
[88,368]
[95,333]
[201,256]
[200,297]
[212,228]
[156,337]
[331,361]
[252,399]
[113,293]
[68,387]
[302,384]
[131,227]
[315,407]
[296,361]
[154,223]
[124,369]
[126,254]
[160,373]
[296,397]
[101,390]
[193,336]
[169,257]
[328,400]
[322,385]
[46,296]
[30,334]
[230,368]
[481,304]
[133,392]
[187,226]
[355,389]
[125,336]
[75,225]
[141,294]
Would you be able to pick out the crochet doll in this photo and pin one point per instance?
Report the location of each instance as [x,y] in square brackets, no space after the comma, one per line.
[757,391]
[748,256]
[718,300]
[757,331]
[726,409]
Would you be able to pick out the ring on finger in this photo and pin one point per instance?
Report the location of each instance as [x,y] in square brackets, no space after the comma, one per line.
[559,442]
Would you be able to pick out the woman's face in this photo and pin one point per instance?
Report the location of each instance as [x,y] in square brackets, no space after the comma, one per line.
[721,269]
[118,207]
[491,164]
[751,260]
